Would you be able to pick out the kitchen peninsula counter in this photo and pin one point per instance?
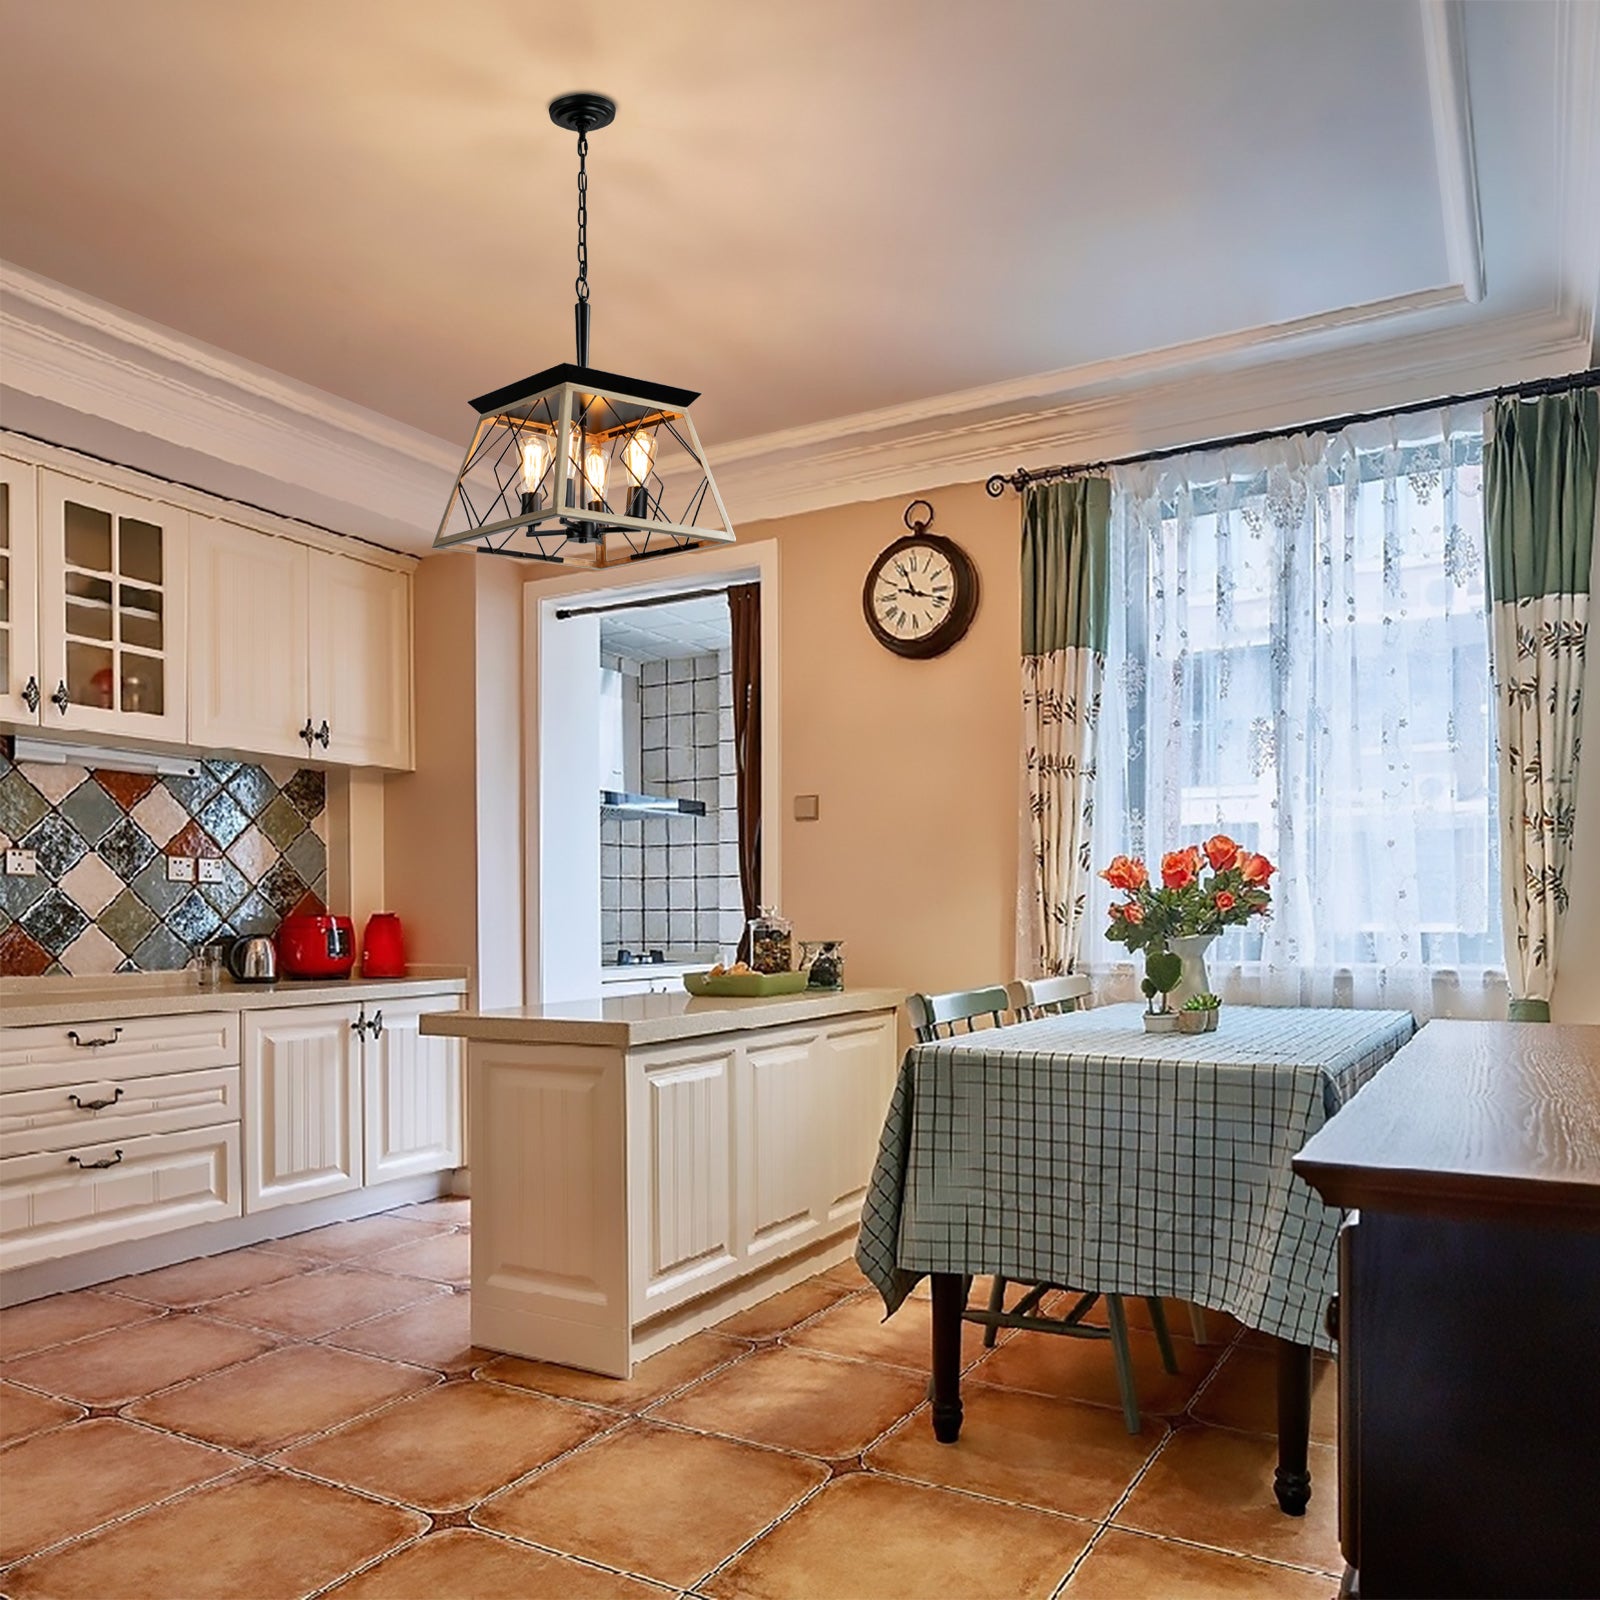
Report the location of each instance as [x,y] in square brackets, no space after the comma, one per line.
[644,1166]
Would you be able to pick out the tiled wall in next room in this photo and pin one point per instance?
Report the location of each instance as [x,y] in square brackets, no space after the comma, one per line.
[672,883]
[101,900]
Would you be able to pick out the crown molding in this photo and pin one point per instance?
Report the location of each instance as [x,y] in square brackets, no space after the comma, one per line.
[1444,44]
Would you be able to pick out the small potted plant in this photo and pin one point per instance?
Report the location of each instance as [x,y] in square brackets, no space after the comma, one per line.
[1162,970]
[1199,1014]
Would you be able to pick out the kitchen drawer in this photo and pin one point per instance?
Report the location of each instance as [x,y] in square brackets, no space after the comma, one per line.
[108,1050]
[50,1206]
[34,1120]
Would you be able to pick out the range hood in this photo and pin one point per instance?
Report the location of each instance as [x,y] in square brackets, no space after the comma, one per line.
[649,805]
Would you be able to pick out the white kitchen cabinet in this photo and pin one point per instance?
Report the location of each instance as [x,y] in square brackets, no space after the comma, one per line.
[113,618]
[412,1093]
[302,1104]
[249,641]
[360,661]
[20,693]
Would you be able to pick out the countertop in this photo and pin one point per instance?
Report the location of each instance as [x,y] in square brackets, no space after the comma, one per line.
[33,1002]
[623,1021]
[1480,1120]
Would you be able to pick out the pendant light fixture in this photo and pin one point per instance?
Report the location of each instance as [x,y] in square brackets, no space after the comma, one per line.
[578,466]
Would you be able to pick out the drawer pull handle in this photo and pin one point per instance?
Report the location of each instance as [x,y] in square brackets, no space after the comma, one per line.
[93,1044]
[95,1166]
[96,1105]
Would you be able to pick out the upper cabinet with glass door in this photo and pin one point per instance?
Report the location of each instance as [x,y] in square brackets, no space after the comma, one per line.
[112,611]
[20,694]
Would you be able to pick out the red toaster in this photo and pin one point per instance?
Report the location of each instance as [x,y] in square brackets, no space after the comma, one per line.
[316,947]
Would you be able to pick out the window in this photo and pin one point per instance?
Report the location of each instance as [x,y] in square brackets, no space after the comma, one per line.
[1299,657]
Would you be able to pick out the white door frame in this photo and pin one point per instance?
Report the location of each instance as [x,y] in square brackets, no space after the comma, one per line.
[716,567]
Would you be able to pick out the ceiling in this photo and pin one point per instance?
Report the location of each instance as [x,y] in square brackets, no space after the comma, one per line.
[908,210]
[668,632]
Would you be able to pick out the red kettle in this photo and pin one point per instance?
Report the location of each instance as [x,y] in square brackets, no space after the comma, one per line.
[383,947]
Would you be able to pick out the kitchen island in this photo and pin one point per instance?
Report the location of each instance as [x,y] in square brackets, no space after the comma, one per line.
[646,1165]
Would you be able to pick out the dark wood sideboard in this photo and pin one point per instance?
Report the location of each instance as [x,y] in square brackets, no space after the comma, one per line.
[1469,1314]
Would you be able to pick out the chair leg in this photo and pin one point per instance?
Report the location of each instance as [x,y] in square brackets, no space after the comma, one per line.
[1197,1324]
[997,1302]
[1158,1321]
[1124,1361]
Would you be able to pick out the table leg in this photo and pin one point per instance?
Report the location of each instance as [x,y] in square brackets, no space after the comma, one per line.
[1292,1481]
[949,1294]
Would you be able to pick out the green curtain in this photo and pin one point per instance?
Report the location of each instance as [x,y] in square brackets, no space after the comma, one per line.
[1541,470]
[1066,540]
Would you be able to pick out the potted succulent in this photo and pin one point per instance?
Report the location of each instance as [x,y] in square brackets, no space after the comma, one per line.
[1199,1014]
[1162,970]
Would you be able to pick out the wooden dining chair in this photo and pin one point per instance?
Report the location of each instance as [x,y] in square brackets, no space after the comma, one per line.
[1047,997]
[931,1013]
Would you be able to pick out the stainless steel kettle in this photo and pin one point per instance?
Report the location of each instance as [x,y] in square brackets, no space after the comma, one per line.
[253,960]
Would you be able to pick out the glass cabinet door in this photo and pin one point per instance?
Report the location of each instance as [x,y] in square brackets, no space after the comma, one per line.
[20,694]
[112,611]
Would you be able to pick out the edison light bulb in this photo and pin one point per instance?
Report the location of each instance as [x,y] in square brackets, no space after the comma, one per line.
[640,455]
[535,460]
[594,472]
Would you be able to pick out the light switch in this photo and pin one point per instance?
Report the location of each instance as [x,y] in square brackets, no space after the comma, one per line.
[21,864]
[211,869]
[180,869]
[807,807]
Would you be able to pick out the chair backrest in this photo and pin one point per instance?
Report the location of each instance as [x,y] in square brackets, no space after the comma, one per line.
[1045,997]
[932,1012]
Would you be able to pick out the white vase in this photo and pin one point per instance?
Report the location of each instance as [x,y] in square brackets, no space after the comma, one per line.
[1191,951]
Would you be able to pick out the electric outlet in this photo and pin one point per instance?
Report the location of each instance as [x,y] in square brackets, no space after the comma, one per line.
[180,869]
[21,864]
[210,869]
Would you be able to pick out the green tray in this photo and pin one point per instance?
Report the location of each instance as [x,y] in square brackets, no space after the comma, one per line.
[744,983]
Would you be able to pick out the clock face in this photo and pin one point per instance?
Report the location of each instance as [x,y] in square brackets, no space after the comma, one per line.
[920,595]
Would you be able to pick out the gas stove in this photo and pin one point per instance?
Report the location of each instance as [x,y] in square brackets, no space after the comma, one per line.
[639,958]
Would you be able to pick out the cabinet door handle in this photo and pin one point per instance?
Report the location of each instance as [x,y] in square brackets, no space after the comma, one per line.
[30,694]
[308,733]
[95,1166]
[93,1044]
[323,734]
[60,699]
[96,1105]
[377,1023]
[359,1026]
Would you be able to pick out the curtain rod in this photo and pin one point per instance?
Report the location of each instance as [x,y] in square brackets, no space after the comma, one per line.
[634,605]
[1022,477]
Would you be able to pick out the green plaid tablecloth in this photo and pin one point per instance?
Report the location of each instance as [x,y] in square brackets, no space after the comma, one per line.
[1081,1150]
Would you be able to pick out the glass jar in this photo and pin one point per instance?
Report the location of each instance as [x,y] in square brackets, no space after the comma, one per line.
[211,963]
[771,943]
[822,961]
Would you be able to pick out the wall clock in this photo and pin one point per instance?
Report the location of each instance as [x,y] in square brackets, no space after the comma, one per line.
[921,594]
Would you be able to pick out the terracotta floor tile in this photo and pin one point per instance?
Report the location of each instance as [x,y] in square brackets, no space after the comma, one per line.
[66,1482]
[445,1258]
[449,1447]
[1215,1487]
[1125,1564]
[61,1317]
[705,1498]
[315,1303]
[1220,1327]
[284,1395]
[857,1328]
[1054,1454]
[23,1413]
[799,1401]
[191,1283]
[462,1562]
[259,1536]
[780,1312]
[899,1541]
[436,1332]
[847,1275]
[345,1241]
[1244,1394]
[652,1378]
[1084,1369]
[129,1363]
[454,1209]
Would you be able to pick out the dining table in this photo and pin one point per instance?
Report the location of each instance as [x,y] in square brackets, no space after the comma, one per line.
[1083,1151]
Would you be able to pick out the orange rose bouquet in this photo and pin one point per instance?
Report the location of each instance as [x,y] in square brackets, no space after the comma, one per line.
[1204,889]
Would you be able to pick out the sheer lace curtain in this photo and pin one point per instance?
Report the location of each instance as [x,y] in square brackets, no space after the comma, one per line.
[1298,657]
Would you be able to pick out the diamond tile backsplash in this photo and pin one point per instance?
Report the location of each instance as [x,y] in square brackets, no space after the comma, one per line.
[101,900]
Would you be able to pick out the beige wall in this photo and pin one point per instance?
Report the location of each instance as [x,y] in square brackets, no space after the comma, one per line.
[913,860]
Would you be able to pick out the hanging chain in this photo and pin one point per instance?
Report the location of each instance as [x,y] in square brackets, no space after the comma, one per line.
[583,217]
